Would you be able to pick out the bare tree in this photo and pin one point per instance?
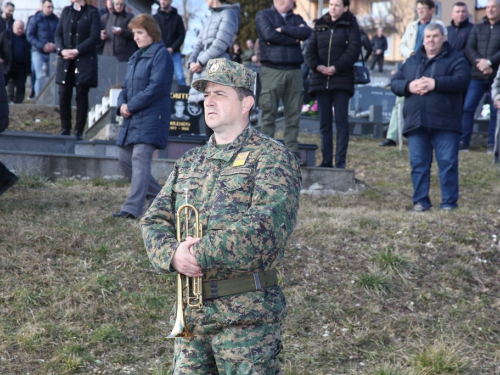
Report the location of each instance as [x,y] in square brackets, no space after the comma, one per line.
[393,16]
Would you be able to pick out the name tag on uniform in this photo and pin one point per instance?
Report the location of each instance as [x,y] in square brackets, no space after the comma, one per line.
[240,159]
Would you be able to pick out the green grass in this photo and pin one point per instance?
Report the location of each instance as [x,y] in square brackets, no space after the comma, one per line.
[371,289]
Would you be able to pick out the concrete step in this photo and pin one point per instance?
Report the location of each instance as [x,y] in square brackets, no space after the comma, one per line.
[57,166]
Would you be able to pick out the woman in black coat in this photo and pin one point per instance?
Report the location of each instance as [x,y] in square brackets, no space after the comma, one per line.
[334,48]
[77,36]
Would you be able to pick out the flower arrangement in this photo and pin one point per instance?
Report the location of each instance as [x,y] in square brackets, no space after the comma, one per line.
[310,109]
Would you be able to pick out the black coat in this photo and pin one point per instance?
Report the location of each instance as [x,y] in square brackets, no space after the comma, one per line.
[6,24]
[484,43]
[334,43]
[442,107]
[88,36]
[6,52]
[459,35]
[4,105]
[122,46]
[172,28]
[281,50]
[379,43]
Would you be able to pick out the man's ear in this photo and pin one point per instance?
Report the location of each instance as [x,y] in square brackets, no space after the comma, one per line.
[248,103]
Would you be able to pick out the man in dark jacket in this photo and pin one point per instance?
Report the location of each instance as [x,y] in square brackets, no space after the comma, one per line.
[41,30]
[16,60]
[379,43]
[460,27]
[280,33]
[7,19]
[435,74]
[118,39]
[483,53]
[173,33]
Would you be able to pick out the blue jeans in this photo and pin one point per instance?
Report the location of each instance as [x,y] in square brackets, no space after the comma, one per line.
[178,70]
[38,58]
[476,90]
[421,142]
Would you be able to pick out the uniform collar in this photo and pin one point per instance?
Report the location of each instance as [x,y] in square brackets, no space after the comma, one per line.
[232,148]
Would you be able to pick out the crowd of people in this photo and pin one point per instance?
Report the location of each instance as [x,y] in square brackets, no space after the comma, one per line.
[245,185]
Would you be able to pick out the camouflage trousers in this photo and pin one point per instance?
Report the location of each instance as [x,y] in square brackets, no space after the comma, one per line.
[249,349]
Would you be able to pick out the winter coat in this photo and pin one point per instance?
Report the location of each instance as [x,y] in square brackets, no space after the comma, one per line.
[215,38]
[6,24]
[41,30]
[442,107]
[281,50]
[409,39]
[379,43]
[122,46]
[146,91]
[459,35]
[172,28]
[4,104]
[6,52]
[484,43]
[88,36]
[335,43]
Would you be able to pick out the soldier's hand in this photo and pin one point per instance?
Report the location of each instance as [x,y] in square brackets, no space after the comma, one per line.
[184,261]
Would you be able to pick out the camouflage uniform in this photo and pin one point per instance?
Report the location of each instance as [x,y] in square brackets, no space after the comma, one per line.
[247,195]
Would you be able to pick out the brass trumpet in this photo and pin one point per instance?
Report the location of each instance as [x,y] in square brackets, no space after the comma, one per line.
[193,285]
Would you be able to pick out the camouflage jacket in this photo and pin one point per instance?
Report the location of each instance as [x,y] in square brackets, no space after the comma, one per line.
[247,195]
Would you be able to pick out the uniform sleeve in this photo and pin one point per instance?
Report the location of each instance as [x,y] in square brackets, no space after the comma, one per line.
[257,240]
[158,227]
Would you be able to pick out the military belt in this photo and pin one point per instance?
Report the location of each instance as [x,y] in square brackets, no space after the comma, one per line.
[240,284]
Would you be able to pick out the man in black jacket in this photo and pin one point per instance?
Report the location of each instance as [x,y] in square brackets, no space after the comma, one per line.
[173,33]
[379,43]
[7,18]
[16,60]
[435,74]
[483,53]
[280,32]
[460,27]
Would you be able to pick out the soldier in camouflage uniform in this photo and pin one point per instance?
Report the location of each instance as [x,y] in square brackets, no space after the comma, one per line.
[246,188]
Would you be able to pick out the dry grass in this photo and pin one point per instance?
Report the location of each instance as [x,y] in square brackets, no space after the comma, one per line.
[371,289]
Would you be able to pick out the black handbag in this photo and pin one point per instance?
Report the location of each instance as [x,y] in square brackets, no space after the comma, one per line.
[361,73]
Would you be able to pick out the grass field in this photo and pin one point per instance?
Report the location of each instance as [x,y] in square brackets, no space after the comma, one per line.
[372,289]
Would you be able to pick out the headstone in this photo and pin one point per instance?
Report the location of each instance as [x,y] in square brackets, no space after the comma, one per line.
[185,117]
[365,96]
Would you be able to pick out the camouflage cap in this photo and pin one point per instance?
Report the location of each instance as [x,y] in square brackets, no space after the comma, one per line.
[228,73]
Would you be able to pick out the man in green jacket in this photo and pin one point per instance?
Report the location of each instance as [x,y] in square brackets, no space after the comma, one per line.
[246,188]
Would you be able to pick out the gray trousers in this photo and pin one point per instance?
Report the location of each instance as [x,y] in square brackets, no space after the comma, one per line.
[135,161]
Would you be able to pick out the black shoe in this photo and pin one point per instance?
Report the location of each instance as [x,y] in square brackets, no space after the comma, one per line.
[325,165]
[301,161]
[387,143]
[340,165]
[32,95]
[78,136]
[124,215]
[65,132]
[8,184]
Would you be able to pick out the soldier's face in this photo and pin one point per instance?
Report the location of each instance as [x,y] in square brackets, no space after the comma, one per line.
[223,110]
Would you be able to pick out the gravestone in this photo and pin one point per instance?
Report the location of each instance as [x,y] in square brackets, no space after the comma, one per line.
[366,96]
[184,118]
